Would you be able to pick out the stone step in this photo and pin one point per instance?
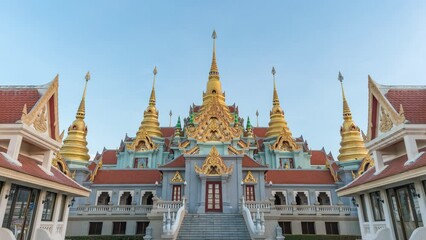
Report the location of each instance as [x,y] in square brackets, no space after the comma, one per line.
[213,227]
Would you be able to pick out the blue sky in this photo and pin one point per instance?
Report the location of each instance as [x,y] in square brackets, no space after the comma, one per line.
[120,42]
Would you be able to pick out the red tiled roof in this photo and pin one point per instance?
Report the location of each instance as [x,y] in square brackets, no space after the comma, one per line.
[167,131]
[176,163]
[12,101]
[394,167]
[413,102]
[299,177]
[127,176]
[318,157]
[92,166]
[109,157]
[260,131]
[32,167]
[248,162]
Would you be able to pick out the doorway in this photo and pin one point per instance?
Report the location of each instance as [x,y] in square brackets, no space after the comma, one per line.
[405,211]
[213,197]
[21,205]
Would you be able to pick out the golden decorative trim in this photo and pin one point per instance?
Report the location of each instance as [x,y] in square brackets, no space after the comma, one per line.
[177,178]
[242,144]
[184,144]
[194,150]
[234,150]
[214,165]
[59,163]
[385,121]
[366,164]
[374,91]
[29,118]
[249,178]
[95,171]
[142,142]
[213,123]
[40,123]
[284,143]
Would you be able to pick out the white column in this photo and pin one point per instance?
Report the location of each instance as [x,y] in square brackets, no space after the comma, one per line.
[410,147]
[38,211]
[14,147]
[378,160]
[56,211]
[47,160]
[387,211]
[369,210]
[3,200]
[360,215]
[65,216]
[422,200]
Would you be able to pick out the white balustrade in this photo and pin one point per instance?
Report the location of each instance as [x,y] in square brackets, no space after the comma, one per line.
[255,223]
[300,209]
[48,226]
[173,220]
[114,209]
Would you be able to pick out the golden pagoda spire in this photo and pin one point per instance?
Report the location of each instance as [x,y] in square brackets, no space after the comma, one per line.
[277,122]
[352,145]
[150,122]
[214,86]
[75,144]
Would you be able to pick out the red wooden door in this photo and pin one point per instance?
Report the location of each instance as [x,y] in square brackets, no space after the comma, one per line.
[250,193]
[213,196]
[177,193]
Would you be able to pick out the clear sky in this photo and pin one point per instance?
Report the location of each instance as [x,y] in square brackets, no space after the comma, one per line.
[120,42]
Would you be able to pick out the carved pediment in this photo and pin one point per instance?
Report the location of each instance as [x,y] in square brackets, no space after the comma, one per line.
[249,178]
[177,178]
[284,143]
[142,142]
[366,164]
[385,121]
[59,163]
[213,123]
[214,165]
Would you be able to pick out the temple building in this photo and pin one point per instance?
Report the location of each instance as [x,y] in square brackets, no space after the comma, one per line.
[390,185]
[214,175]
[36,187]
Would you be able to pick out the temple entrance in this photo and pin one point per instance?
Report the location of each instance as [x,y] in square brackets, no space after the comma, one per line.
[406,211]
[213,197]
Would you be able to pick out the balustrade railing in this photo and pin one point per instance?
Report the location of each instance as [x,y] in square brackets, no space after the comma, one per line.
[255,222]
[267,206]
[113,209]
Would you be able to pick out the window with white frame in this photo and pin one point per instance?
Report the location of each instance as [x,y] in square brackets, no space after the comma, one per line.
[126,198]
[301,197]
[280,197]
[103,197]
[323,197]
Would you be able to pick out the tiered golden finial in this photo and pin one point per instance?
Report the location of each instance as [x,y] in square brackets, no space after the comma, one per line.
[277,122]
[214,87]
[352,145]
[75,144]
[150,117]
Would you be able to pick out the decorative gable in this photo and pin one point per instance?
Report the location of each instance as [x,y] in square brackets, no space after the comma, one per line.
[214,165]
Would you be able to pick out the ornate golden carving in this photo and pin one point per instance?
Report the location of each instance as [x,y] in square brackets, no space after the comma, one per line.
[40,123]
[95,171]
[177,178]
[142,142]
[213,123]
[249,178]
[214,165]
[366,164]
[385,121]
[234,150]
[29,118]
[59,163]
[194,150]
[284,143]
